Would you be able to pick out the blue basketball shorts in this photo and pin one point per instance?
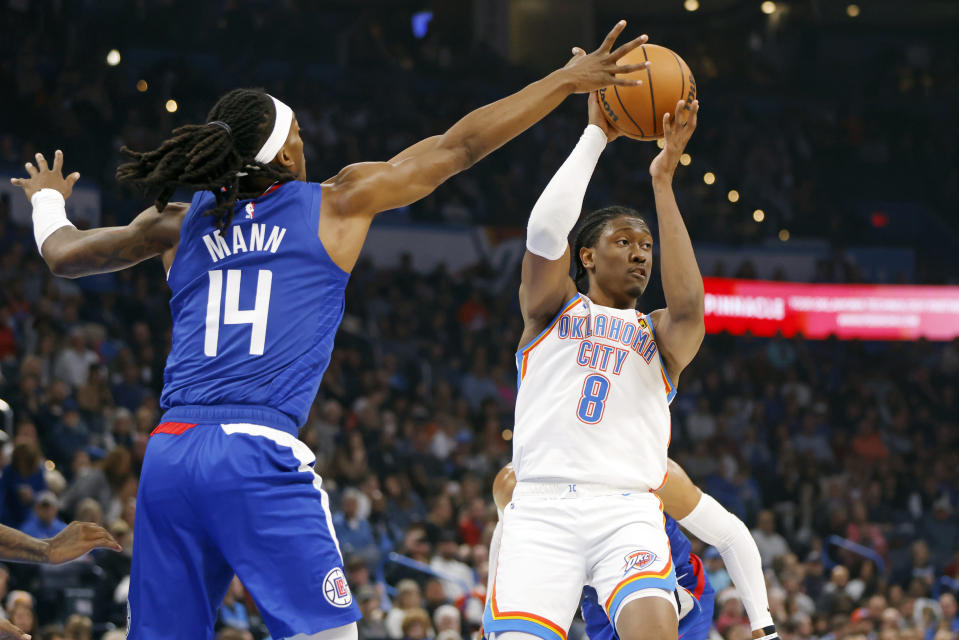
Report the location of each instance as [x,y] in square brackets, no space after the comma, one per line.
[219,499]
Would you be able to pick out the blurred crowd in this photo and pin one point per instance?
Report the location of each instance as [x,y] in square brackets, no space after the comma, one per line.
[842,458]
[772,127]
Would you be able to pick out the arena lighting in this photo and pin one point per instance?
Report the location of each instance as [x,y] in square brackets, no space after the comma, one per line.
[685,159]
[784,235]
[142,86]
[113,58]
[817,311]
[660,143]
[171,105]
[733,195]
[691,5]
[709,177]
[852,10]
[768,7]
[49,465]
[759,215]
[507,434]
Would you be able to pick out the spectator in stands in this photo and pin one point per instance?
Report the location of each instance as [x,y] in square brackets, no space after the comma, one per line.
[353,529]
[22,480]
[372,626]
[233,611]
[43,522]
[771,544]
[457,576]
[78,628]
[408,598]
[416,625]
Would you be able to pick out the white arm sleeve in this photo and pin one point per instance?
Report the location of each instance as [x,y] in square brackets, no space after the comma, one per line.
[712,524]
[555,213]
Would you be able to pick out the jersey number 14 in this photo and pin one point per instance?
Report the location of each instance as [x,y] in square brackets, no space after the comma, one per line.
[255,317]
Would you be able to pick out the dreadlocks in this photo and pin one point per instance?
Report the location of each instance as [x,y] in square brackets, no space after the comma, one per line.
[590,228]
[204,157]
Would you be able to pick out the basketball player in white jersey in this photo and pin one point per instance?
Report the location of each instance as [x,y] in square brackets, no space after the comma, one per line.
[704,517]
[592,411]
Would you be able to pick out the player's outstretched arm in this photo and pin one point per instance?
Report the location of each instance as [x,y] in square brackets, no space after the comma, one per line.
[710,522]
[680,326]
[77,539]
[70,252]
[361,190]
[545,283]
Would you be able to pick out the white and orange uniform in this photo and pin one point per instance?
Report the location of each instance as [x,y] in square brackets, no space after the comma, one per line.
[589,447]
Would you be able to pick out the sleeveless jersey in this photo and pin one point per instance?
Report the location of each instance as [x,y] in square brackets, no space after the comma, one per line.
[593,400]
[254,311]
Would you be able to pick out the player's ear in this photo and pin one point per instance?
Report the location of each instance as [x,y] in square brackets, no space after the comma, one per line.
[285,158]
[586,256]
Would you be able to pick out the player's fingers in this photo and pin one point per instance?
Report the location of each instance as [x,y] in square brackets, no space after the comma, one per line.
[73,177]
[578,52]
[42,162]
[612,35]
[626,82]
[57,160]
[622,50]
[667,124]
[30,169]
[629,68]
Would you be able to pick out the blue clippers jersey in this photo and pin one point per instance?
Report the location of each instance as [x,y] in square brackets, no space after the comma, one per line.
[690,575]
[254,312]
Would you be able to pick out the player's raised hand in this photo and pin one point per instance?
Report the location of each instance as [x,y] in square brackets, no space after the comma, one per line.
[78,539]
[677,135]
[45,177]
[592,71]
[596,117]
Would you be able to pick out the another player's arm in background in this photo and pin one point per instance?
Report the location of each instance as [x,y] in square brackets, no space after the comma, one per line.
[77,539]
[70,252]
[710,522]
[680,326]
[545,283]
[359,191]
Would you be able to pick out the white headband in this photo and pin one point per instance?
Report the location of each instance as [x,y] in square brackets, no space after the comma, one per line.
[281,129]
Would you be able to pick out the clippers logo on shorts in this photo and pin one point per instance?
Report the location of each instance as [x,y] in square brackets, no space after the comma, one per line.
[336,589]
[638,560]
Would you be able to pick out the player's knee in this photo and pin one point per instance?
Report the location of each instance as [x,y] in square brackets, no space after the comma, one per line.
[346,632]
[652,615]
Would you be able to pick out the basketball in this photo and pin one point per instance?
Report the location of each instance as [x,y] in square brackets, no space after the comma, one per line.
[638,111]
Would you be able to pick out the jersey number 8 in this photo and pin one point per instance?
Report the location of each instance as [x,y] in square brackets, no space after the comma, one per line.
[592,403]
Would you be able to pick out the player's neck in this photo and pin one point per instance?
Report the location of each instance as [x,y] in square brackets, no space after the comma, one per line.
[607,299]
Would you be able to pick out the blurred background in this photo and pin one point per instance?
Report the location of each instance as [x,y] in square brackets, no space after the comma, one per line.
[826,155]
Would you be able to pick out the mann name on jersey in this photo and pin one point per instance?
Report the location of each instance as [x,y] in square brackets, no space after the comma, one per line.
[251,237]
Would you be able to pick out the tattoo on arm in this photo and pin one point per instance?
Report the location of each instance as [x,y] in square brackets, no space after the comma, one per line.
[18,546]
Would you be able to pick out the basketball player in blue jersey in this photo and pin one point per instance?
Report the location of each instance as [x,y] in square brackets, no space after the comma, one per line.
[710,522]
[257,264]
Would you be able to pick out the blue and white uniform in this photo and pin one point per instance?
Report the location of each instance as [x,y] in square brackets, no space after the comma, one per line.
[696,615]
[226,486]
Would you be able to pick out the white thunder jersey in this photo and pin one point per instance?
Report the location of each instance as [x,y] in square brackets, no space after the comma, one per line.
[593,401]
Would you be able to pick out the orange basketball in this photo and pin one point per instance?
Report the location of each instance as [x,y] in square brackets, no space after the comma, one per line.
[638,111]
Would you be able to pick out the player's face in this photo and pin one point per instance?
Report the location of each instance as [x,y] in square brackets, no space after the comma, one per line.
[622,258]
[293,150]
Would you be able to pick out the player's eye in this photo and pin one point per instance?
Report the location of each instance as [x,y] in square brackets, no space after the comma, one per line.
[623,242]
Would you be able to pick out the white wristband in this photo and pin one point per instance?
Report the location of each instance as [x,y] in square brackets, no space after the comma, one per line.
[49,215]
